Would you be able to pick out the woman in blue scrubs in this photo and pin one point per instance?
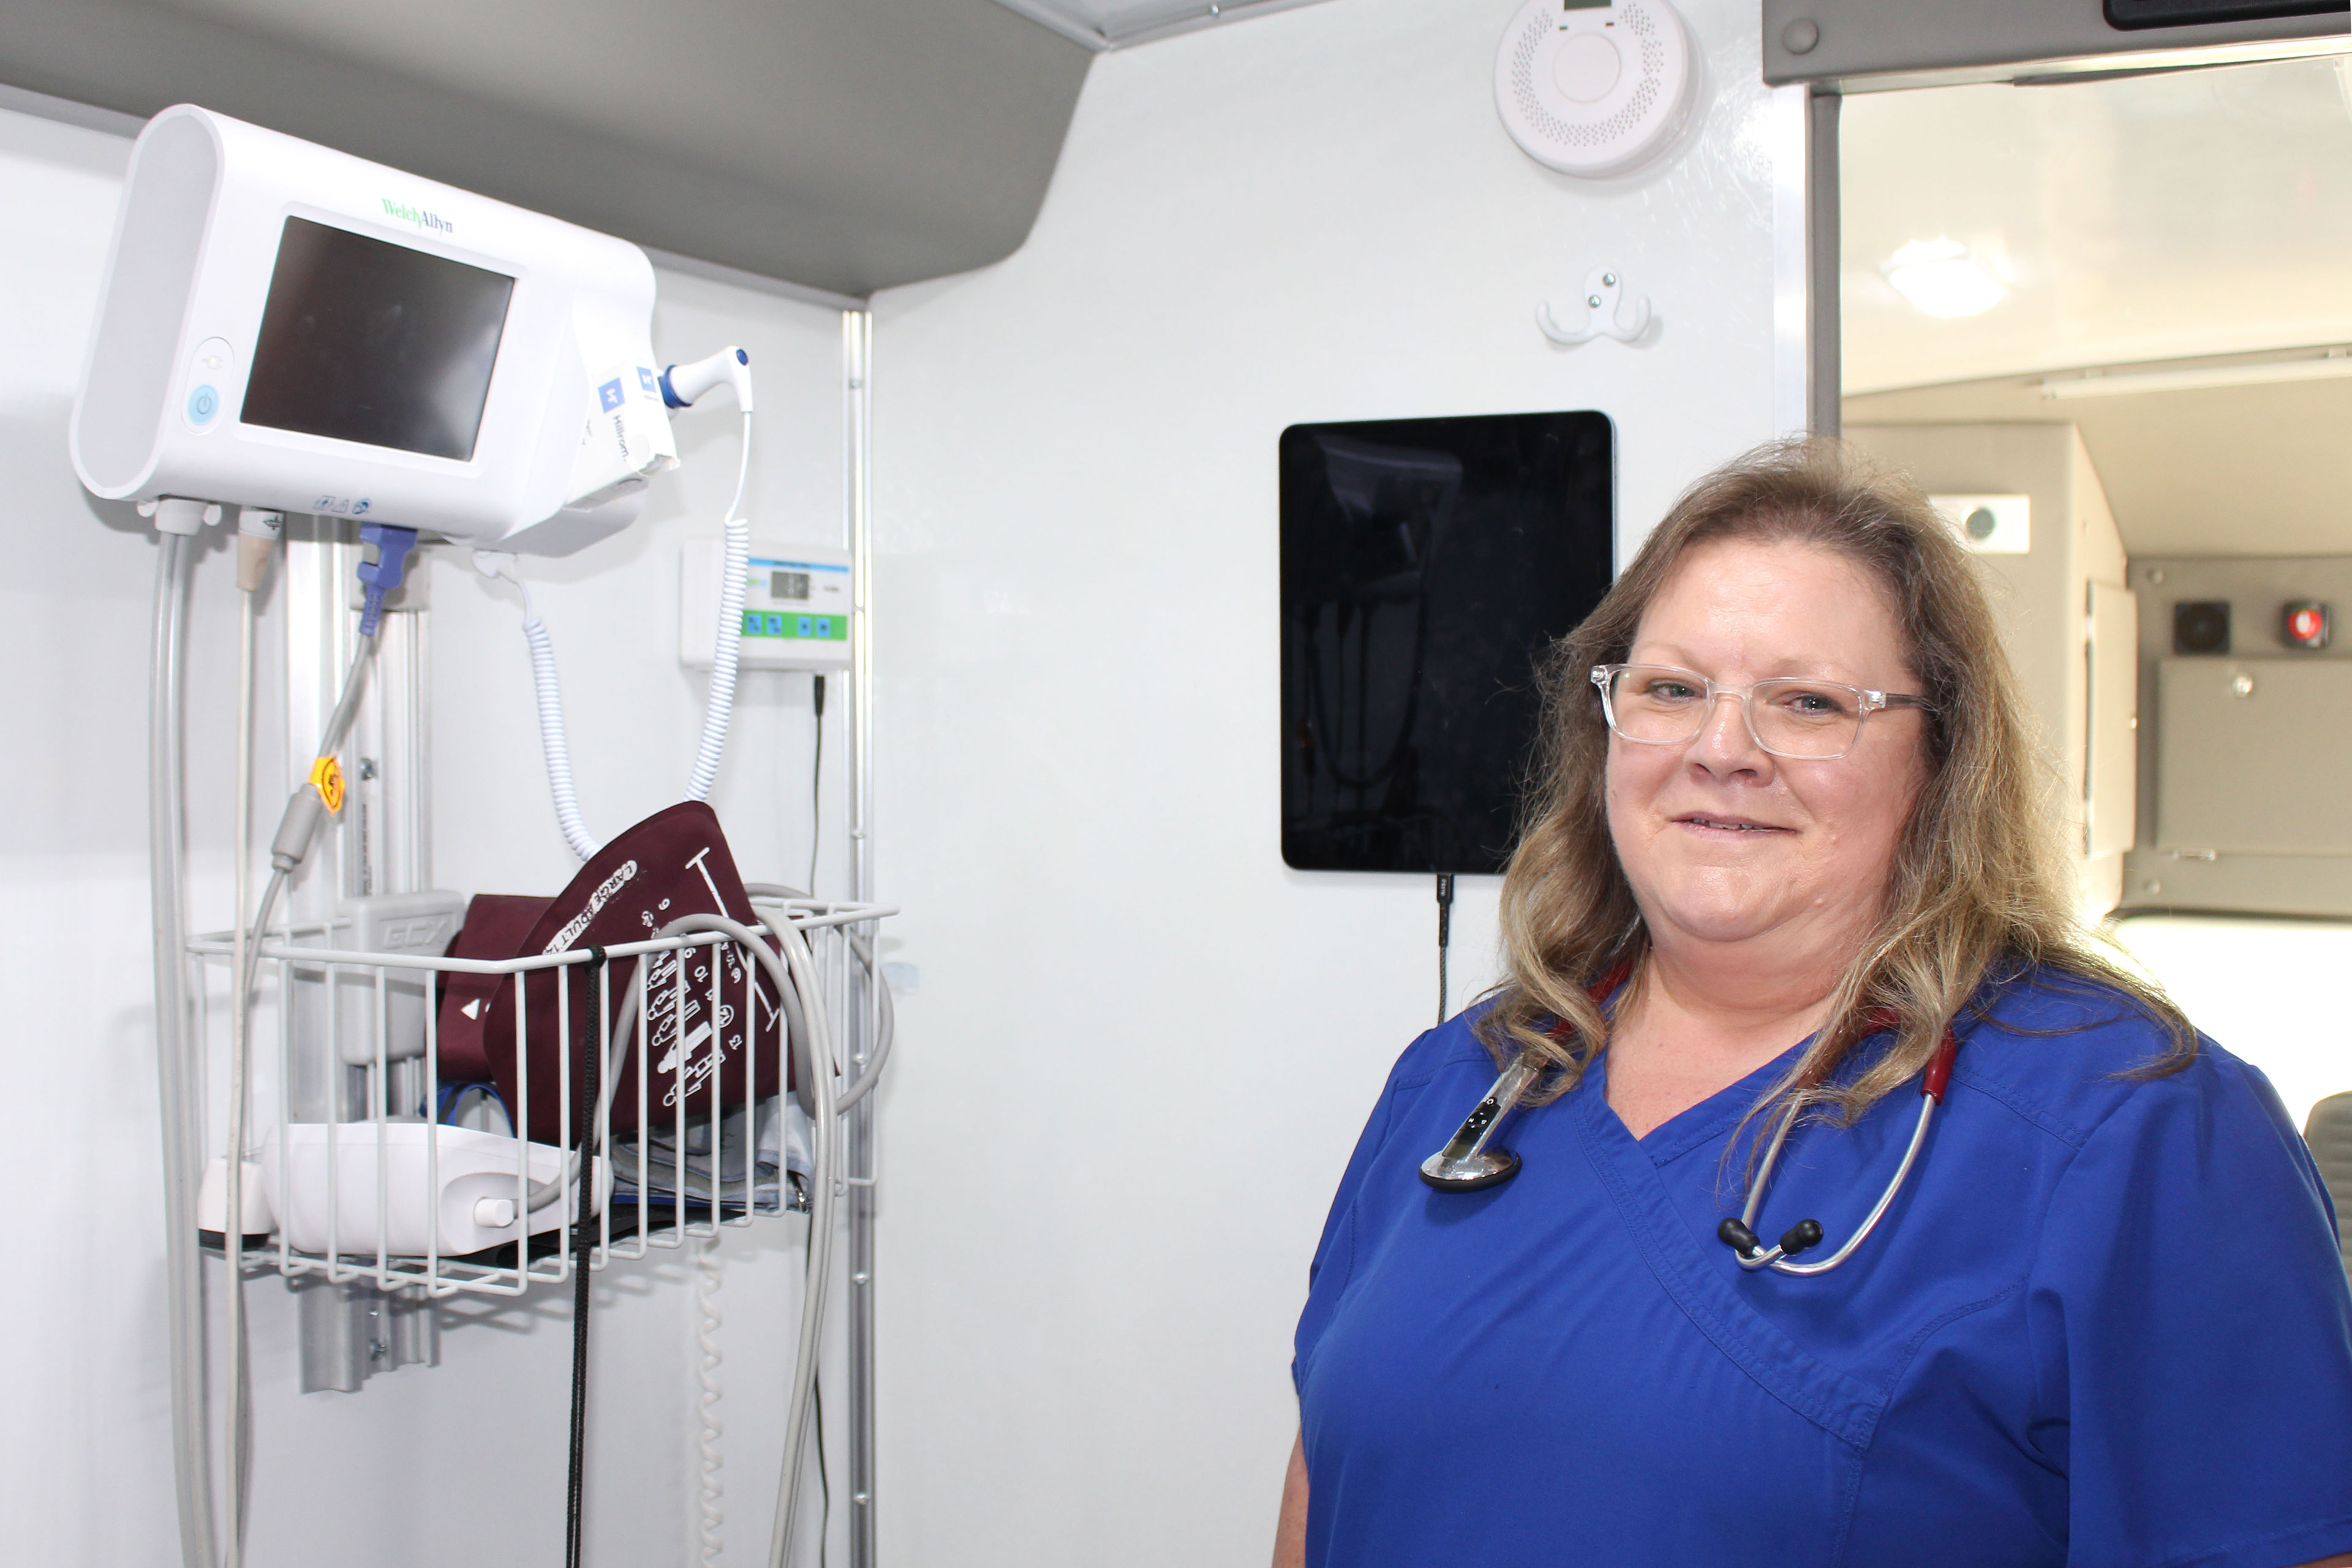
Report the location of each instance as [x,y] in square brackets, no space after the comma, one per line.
[1794,830]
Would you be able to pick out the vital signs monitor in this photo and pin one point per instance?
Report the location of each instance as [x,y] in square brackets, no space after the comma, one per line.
[288,327]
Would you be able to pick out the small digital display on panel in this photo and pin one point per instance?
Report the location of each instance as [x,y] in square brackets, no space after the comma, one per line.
[362,340]
[793,585]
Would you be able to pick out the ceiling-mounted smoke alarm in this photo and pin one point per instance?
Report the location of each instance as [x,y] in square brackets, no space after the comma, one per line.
[1590,88]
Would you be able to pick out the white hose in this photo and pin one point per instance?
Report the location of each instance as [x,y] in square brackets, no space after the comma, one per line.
[710,1460]
[726,654]
[183,1135]
[233,1162]
[794,972]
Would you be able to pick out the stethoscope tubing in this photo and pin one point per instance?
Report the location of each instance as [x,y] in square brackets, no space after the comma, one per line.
[1773,1257]
[1470,1162]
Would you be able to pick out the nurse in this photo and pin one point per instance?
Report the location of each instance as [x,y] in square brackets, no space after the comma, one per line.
[1794,829]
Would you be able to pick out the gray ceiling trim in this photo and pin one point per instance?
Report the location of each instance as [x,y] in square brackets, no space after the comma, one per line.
[695,267]
[1854,45]
[846,145]
[128,126]
[66,112]
[1084,33]
[1068,19]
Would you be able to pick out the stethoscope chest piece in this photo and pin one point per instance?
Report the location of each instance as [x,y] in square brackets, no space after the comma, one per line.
[1485,1168]
[1469,1161]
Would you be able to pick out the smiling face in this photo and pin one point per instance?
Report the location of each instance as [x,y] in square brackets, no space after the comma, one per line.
[1724,842]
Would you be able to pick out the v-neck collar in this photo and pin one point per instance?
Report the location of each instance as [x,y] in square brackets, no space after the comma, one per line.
[1692,1274]
[1695,1126]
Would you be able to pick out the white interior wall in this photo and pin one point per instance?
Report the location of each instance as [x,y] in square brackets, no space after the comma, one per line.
[1141,1047]
[464,1461]
[2275,992]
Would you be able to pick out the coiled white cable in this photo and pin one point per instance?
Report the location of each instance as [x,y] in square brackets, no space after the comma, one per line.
[726,654]
[710,1460]
[718,710]
[551,742]
[549,691]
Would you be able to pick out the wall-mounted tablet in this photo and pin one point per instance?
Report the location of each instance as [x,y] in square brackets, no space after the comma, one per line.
[1426,566]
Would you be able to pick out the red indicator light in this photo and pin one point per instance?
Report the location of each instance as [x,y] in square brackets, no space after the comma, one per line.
[2304,624]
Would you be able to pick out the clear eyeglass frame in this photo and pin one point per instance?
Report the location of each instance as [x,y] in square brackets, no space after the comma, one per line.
[1866,702]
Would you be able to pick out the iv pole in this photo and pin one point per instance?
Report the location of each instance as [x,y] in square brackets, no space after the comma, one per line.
[857,1167]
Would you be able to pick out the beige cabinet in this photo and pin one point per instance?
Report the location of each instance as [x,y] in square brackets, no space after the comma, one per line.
[2068,619]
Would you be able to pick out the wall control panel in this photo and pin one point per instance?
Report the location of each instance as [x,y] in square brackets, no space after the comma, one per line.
[796,611]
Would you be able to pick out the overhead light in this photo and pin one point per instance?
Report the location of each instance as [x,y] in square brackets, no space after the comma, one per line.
[2323,366]
[1942,279]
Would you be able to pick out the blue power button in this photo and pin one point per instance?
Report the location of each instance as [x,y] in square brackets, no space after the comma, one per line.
[203,404]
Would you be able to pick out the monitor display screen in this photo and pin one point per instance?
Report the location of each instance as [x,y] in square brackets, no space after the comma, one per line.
[1427,567]
[362,340]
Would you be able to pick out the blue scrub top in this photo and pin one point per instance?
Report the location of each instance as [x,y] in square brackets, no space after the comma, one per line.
[2106,1324]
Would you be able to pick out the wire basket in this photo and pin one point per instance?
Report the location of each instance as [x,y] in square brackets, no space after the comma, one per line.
[369,1168]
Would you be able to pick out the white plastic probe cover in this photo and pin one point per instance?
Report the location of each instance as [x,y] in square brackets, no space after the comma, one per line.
[682,385]
[1594,88]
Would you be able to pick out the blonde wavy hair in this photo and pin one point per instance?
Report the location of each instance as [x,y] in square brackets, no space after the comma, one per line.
[1979,892]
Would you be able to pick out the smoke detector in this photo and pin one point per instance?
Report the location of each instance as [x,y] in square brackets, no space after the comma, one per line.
[1591,88]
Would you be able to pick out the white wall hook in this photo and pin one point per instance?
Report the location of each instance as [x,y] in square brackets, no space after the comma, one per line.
[1605,313]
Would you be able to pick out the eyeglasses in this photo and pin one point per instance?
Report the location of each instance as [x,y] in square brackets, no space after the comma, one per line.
[1790,716]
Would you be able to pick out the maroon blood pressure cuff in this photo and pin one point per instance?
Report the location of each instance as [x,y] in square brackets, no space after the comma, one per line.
[696,1033]
[497,925]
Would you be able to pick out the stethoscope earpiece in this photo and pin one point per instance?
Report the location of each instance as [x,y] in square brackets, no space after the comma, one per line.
[1739,1235]
[1802,1236]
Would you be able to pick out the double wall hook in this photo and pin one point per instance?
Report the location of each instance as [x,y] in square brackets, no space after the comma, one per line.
[1606,310]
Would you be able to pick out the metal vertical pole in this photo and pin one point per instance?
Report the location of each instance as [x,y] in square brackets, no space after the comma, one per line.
[857,360]
[1825,387]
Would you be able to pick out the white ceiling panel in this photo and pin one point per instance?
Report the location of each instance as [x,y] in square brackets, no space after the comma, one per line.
[2143,218]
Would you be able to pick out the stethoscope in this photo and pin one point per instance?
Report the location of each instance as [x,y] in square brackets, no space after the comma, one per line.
[1471,1162]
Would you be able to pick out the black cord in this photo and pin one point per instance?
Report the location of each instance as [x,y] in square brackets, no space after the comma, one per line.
[816,786]
[824,1481]
[584,1179]
[1444,934]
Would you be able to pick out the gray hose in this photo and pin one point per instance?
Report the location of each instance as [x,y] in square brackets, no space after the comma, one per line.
[182,1262]
[824,1146]
[338,722]
[306,808]
[622,1036]
[813,1064]
[888,1032]
[814,1071]
[885,1034]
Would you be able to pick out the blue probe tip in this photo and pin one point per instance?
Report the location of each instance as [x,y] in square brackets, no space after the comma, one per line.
[394,546]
